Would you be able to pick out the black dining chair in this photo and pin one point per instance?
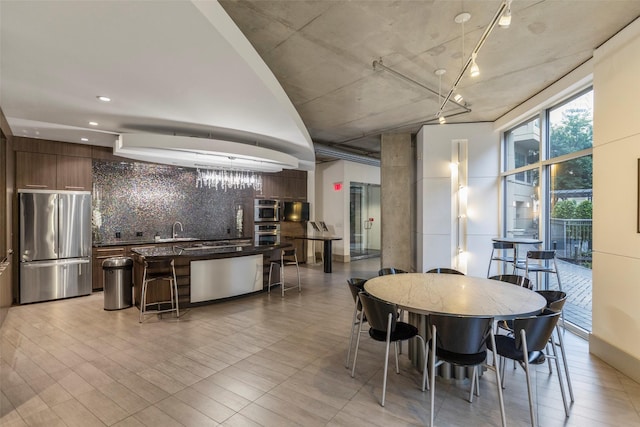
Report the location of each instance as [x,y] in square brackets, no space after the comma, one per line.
[355,286]
[461,341]
[531,336]
[443,270]
[385,327]
[390,270]
[555,302]
[517,280]
[514,279]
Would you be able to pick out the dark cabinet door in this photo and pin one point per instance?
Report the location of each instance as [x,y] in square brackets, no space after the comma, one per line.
[74,173]
[35,170]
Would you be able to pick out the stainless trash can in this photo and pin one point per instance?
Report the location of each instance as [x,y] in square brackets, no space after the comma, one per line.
[118,278]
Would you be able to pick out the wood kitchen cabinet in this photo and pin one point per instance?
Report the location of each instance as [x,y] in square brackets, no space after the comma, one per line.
[74,173]
[52,165]
[285,185]
[36,170]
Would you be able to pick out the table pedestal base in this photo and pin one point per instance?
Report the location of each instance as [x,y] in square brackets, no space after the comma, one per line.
[416,353]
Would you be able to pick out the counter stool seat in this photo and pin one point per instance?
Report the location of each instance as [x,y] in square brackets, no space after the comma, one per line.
[157,271]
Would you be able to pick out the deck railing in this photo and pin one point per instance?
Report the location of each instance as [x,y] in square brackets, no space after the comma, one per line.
[572,239]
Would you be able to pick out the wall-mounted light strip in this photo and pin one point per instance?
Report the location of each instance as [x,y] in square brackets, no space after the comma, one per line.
[459,183]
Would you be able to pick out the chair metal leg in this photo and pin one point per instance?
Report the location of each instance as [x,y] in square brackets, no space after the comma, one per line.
[353,326]
[433,374]
[528,375]
[395,345]
[282,279]
[496,368]
[425,370]
[473,384]
[355,355]
[386,360]
[175,286]
[269,282]
[564,396]
[564,361]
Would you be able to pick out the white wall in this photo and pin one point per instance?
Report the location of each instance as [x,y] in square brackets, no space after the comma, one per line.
[332,206]
[616,243]
[435,231]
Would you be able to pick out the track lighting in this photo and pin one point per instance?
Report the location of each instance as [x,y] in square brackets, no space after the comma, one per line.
[458,98]
[505,19]
[474,70]
[442,120]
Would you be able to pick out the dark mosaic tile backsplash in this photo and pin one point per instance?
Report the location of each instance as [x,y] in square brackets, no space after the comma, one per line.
[130,198]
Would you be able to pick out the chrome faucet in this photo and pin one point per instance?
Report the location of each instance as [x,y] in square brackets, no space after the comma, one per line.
[174,228]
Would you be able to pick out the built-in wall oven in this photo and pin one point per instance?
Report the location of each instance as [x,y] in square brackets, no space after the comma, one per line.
[266,210]
[267,234]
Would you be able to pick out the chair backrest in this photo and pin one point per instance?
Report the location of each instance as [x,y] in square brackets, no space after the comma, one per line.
[390,270]
[155,268]
[542,255]
[538,329]
[377,312]
[443,270]
[289,253]
[356,286]
[460,334]
[555,299]
[514,279]
[503,245]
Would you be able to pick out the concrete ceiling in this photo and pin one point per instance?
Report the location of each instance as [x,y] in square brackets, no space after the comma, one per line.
[165,59]
[322,54]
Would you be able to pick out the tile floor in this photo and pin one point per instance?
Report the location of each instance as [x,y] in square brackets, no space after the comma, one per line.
[259,361]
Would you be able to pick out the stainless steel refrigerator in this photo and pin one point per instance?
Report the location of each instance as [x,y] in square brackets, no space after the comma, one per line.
[55,244]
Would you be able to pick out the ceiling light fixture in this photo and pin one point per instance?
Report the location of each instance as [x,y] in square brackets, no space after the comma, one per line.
[474,71]
[440,72]
[93,123]
[84,139]
[505,19]
[458,98]
[103,98]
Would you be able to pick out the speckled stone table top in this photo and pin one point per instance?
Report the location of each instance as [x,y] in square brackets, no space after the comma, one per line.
[426,293]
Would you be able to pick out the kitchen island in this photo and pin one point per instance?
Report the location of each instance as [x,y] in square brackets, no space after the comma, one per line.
[208,271]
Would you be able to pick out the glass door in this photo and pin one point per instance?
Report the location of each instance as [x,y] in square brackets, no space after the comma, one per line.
[364,220]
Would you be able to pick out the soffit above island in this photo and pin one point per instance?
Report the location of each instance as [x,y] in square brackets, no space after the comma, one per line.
[180,70]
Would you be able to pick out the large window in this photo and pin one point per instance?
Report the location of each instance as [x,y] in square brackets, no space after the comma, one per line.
[547,182]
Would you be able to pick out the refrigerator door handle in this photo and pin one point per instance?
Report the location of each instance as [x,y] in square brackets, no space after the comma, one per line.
[60,262]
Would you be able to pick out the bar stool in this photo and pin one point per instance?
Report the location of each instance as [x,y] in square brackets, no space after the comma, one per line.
[541,262]
[156,270]
[287,257]
[502,252]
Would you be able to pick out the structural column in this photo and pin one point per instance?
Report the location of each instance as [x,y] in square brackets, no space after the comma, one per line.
[397,199]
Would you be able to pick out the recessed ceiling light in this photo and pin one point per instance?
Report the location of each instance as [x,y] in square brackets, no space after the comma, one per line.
[103,98]
[93,123]
[84,139]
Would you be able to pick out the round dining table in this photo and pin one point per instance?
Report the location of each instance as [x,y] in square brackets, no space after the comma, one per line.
[454,294]
[422,294]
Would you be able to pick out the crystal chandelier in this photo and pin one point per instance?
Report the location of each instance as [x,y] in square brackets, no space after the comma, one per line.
[228,179]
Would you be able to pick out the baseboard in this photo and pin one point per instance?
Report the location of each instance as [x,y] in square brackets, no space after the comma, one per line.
[624,362]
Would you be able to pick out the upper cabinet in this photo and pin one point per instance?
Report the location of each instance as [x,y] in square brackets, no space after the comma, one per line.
[45,165]
[285,185]
[36,170]
[74,173]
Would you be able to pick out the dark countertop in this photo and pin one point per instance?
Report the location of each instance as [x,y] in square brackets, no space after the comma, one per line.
[179,241]
[204,252]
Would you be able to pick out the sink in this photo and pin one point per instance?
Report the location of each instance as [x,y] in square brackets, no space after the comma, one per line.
[176,239]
